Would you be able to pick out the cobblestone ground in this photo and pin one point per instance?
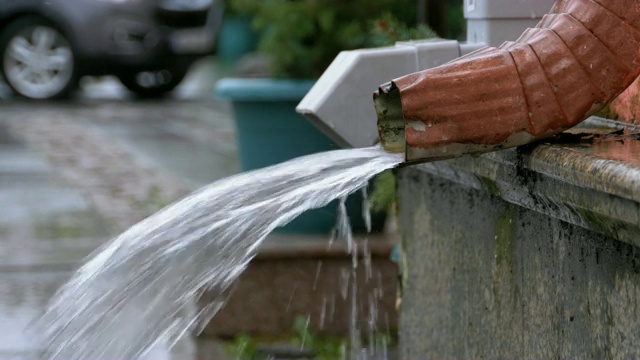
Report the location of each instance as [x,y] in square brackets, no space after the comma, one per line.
[121,188]
[124,184]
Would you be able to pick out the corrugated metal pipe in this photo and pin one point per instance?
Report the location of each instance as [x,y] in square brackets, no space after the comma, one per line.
[575,61]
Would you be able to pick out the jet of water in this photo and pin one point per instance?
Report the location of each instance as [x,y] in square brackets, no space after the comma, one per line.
[138,289]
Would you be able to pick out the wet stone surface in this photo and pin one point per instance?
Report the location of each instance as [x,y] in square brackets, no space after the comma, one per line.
[74,174]
[46,227]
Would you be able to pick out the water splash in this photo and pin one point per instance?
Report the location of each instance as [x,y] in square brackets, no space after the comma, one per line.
[376,348]
[138,290]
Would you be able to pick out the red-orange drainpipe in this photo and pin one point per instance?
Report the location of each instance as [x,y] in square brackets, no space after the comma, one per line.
[574,62]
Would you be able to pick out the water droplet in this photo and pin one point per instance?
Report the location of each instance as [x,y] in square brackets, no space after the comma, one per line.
[318,268]
[344,283]
[323,312]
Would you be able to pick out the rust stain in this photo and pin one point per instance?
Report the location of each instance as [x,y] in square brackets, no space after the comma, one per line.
[605,144]
[626,107]
[621,148]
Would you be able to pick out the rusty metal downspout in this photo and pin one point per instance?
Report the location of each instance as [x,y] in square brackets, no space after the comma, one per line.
[390,120]
[574,62]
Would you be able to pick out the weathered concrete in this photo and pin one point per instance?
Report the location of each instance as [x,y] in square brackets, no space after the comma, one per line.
[527,253]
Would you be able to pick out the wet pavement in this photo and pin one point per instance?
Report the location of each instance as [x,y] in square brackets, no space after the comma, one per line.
[75,173]
[46,226]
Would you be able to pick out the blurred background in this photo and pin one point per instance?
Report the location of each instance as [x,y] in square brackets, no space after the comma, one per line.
[108,113]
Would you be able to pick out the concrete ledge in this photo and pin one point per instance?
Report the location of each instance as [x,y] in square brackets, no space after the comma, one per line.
[588,184]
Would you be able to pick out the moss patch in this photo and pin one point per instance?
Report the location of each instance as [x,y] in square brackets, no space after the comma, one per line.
[72,225]
[600,223]
[505,247]
[490,185]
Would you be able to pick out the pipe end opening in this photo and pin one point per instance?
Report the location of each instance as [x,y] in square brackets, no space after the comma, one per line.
[390,119]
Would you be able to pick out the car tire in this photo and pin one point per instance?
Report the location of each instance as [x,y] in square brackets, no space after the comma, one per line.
[37,60]
[153,84]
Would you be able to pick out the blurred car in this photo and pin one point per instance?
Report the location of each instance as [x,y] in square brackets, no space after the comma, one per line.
[47,45]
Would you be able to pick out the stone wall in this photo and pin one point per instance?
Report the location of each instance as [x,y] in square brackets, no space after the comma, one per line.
[516,255]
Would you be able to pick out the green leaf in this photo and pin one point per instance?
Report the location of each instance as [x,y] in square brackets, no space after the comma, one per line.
[326,19]
[242,347]
[383,195]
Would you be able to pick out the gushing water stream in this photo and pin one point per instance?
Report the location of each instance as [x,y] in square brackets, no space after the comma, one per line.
[149,276]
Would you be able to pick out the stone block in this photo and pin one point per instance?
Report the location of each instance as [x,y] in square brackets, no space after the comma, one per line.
[525,253]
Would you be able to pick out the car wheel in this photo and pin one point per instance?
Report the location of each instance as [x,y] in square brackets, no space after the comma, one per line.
[37,60]
[153,84]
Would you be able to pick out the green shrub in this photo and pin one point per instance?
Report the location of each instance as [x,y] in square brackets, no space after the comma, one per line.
[383,195]
[302,37]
